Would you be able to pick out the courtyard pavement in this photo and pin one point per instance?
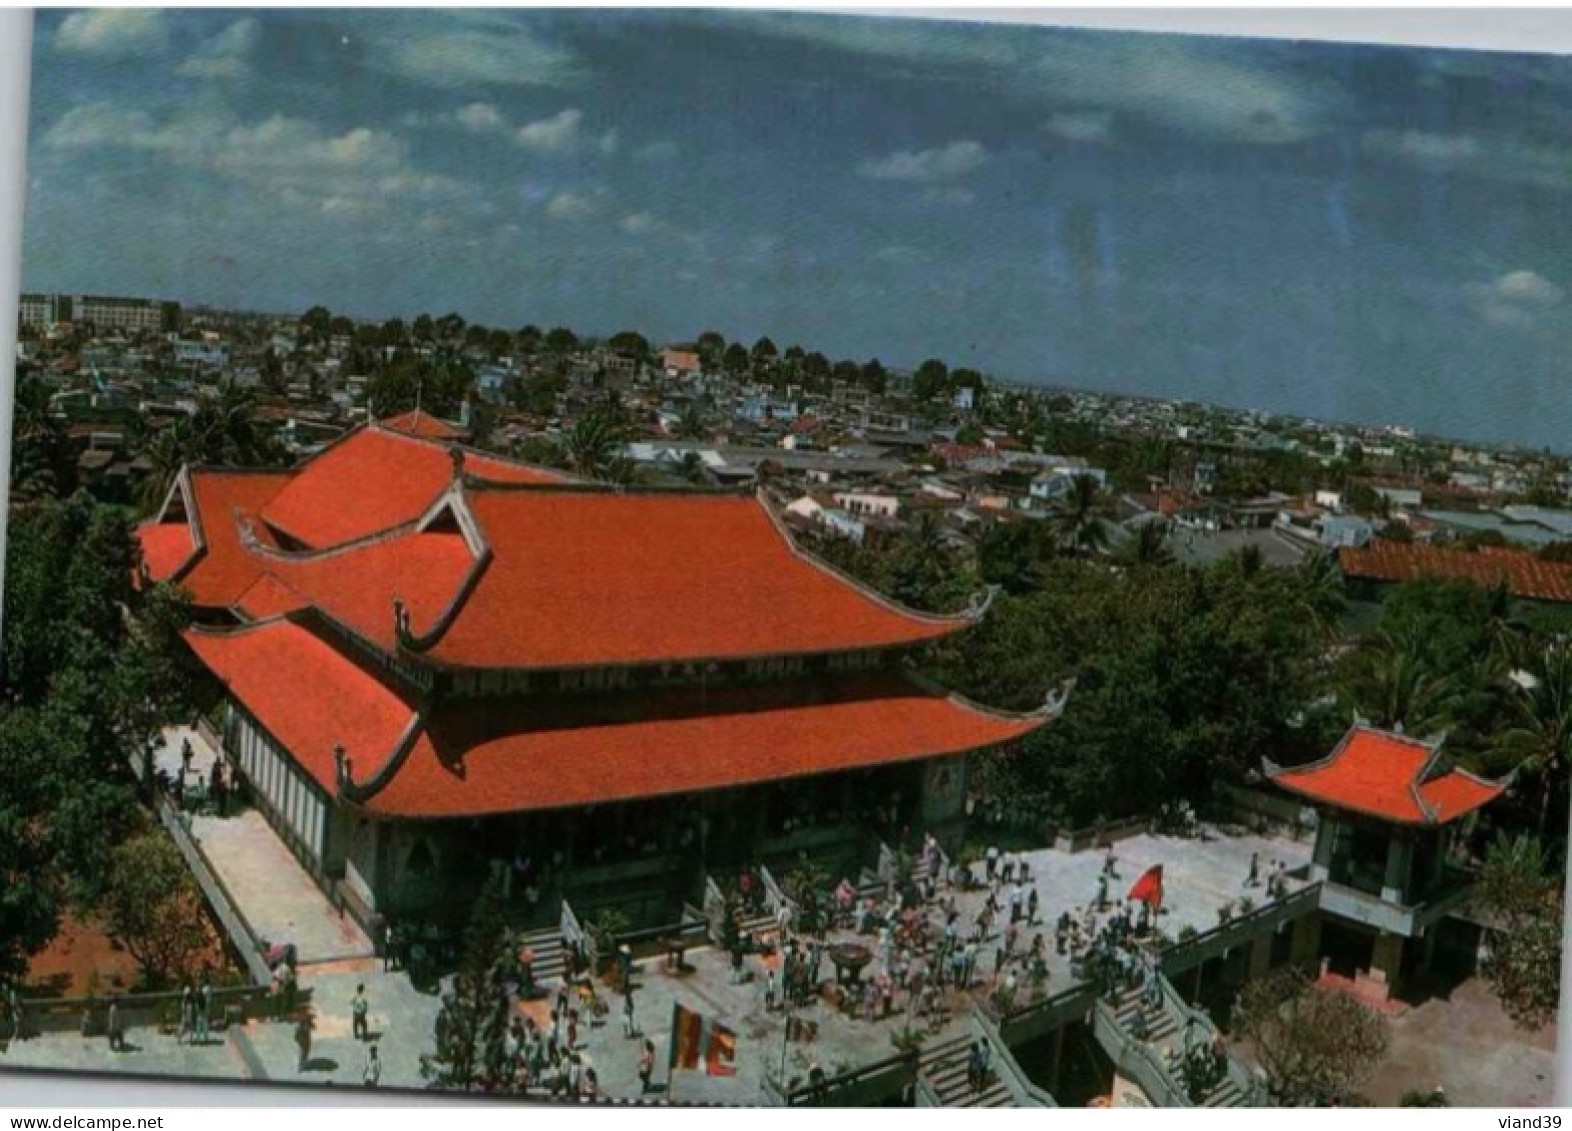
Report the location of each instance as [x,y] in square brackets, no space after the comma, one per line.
[1460,1044]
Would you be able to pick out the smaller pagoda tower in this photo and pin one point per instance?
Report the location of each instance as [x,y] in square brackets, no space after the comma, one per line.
[1389,807]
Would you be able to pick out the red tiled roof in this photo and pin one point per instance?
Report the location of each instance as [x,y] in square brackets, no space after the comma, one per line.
[270,597]
[424,425]
[1388,776]
[1526,575]
[586,578]
[356,586]
[473,760]
[307,694]
[374,480]
[224,569]
[166,547]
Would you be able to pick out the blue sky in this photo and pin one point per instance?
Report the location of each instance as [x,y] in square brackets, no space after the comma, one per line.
[1361,233]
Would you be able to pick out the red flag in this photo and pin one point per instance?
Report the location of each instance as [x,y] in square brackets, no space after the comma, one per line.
[1149,888]
[697,1042]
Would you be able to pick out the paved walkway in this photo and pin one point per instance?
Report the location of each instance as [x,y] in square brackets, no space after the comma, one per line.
[277,896]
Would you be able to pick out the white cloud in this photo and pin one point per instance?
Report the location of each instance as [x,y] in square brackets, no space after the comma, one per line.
[572,206]
[1421,146]
[657,151]
[495,54]
[96,124]
[1516,299]
[609,143]
[481,117]
[224,56]
[927,166]
[638,223]
[949,196]
[113,32]
[356,174]
[1498,157]
[1081,125]
[554,134]
[1187,84]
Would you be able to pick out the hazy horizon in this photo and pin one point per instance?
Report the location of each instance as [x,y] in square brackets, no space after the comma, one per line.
[1344,233]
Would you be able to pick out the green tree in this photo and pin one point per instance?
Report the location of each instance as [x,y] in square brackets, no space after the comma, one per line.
[873,376]
[152,907]
[1521,895]
[1077,518]
[1316,1047]
[1541,737]
[1148,547]
[762,357]
[735,360]
[561,341]
[931,381]
[471,1027]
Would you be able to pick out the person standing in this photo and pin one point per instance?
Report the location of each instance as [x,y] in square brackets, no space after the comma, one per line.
[303,1041]
[373,1071]
[646,1066]
[629,1025]
[1031,907]
[204,1007]
[1255,870]
[991,862]
[115,1026]
[359,1014]
[187,1013]
[769,991]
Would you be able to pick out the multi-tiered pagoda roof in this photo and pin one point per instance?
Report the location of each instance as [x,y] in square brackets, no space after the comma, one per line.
[342,601]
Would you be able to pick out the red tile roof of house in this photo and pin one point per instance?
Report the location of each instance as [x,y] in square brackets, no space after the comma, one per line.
[598,578]
[424,425]
[1390,776]
[1526,575]
[374,479]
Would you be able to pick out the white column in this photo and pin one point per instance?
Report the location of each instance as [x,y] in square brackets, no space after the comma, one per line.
[1564,1014]
[16,42]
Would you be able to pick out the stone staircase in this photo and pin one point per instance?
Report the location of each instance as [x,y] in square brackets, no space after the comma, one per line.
[1164,1035]
[943,1069]
[547,944]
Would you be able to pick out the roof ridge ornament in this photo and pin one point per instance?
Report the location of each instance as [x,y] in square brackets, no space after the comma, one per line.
[401,631]
[1057,697]
[456,454]
[981,601]
[343,771]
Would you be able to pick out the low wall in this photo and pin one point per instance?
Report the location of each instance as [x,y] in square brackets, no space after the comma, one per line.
[146,1011]
[245,941]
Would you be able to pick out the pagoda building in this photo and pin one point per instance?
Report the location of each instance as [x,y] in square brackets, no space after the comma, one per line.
[439,664]
[1389,808]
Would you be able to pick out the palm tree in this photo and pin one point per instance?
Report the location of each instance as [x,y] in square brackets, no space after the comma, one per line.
[167,453]
[1542,738]
[1397,688]
[592,445]
[1321,582]
[1081,529]
[1149,547]
[1508,635]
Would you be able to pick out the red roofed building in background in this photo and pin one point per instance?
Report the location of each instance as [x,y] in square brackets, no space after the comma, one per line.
[439,664]
[1388,806]
[1526,575]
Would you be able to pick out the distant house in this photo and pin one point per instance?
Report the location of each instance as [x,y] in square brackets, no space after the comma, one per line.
[1408,498]
[1338,531]
[680,362]
[1058,477]
[867,503]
